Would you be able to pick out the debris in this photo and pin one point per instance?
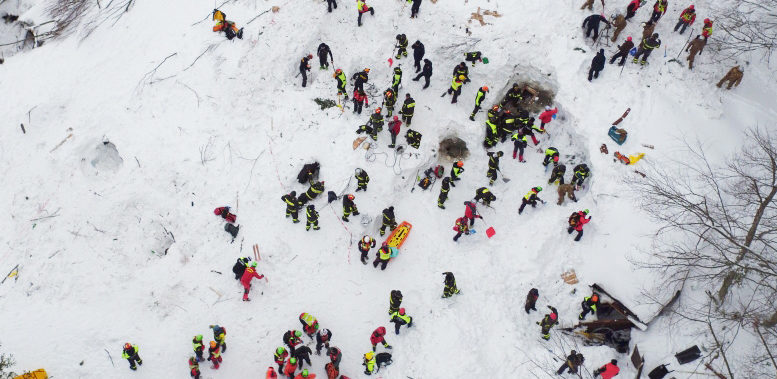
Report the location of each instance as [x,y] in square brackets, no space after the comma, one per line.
[275,9]
[325,103]
[603,149]
[648,146]
[63,141]
[12,274]
[479,17]
[570,277]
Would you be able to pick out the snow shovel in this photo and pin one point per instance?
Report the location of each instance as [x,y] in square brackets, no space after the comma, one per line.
[490,231]
[504,178]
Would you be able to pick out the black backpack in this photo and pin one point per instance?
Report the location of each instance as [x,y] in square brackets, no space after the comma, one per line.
[232,229]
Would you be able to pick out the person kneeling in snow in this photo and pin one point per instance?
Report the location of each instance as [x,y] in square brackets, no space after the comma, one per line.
[226,26]
[382,257]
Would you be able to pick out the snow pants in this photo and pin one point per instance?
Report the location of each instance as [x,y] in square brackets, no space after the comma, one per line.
[379,261]
[331,4]
[359,20]
[622,55]
[579,232]
[426,79]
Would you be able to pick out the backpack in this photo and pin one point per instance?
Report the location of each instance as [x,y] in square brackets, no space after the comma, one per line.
[425,183]
[574,219]
[229,32]
[232,229]
[309,171]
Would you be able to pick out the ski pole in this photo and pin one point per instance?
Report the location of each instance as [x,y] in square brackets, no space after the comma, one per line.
[686,44]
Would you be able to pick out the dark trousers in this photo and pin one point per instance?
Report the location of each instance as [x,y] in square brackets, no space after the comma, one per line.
[491,174]
[133,359]
[518,147]
[593,74]
[388,226]
[441,199]
[564,367]
[456,237]
[579,233]
[322,61]
[417,63]
[524,202]
[331,4]
[655,16]
[645,53]
[586,311]
[393,139]
[290,211]
[359,20]
[364,257]
[529,306]
[622,55]
[304,77]
[357,106]
[381,262]
[682,25]
[407,119]
[198,353]
[630,14]
[455,93]
[426,79]
[474,111]
[358,85]
[414,9]
[595,29]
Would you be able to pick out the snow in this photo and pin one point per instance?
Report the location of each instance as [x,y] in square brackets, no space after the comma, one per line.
[226,123]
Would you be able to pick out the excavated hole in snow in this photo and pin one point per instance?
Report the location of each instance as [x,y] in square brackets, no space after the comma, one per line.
[453,148]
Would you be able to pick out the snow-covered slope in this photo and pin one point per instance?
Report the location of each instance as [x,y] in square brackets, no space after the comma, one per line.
[199,122]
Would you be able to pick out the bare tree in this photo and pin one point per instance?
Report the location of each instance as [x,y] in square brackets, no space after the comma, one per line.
[746,26]
[718,228]
[6,362]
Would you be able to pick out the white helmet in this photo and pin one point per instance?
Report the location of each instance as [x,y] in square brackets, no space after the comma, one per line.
[366,239]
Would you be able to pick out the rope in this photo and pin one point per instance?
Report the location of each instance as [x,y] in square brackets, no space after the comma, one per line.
[347,230]
[275,162]
[396,165]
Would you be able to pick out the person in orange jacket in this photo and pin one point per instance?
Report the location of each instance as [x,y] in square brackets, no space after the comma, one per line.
[290,368]
[609,370]
[305,375]
[271,373]
[226,26]
[249,274]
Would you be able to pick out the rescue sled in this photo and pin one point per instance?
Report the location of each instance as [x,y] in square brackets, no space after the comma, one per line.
[399,235]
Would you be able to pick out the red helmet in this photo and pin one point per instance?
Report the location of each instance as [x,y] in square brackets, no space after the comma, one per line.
[336,72]
[628,38]
[310,56]
[402,311]
[459,164]
[127,345]
[396,118]
[378,110]
[485,88]
[691,7]
[350,197]
[707,21]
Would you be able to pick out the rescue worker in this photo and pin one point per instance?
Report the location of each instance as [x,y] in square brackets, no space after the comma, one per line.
[395,300]
[360,78]
[567,190]
[486,195]
[520,141]
[597,65]
[450,285]
[481,95]
[493,166]
[425,73]
[401,46]
[382,257]
[576,222]
[349,207]
[733,77]
[408,109]
[389,221]
[619,23]
[280,357]
[322,340]
[361,180]
[530,198]
[551,154]
[686,19]
[706,30]
[248,275]
[389,100]
[456,170]
[455,88]
[531,300]
[292,338]
[339,75]
[581,172]
[365,245]
[393,128]
[414,8]
[491,135]
[223,25]
[376,123]
[609,370]
[322,52]
[413,138]
[362,8]
[214,355]
[514,96]
[309,324]
[696,47]
[507,125]
[444,189]
[290,368]
[461,227]
[591,24]
[130,353]
[194,368]
[547,322]
[305,375]
[546,117]
[335,355]
[589,305]
[312,214]
[574,360]
[304,67]
[418,54]
[557,174]
[396,79]
[369,363]
[631,9]
[659,8]
[461,70]
[198,347]
[315,189]
[471,210]
[240,267]
[377,337]
[474,56]
[292,205]
[359,100]
[400,318]
[302,354]
[623,51]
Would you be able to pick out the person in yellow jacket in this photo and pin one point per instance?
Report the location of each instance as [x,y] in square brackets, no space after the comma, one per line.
[382,257]
[369,363]
[226,26]
[531,198]
[399,318]
[455,87]
[130,353]
[362,8]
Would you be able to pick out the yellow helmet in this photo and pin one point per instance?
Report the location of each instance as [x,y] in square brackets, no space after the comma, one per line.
[369,355]
[462,77]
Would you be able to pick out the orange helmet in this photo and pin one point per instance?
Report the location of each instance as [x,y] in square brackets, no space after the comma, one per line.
[495,107]
[378,110]
[350,197]
[212,344]
[485,88]
[127,345]
[366,70]
[459,164]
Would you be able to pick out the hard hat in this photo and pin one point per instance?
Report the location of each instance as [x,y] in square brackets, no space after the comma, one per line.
[553,316]
[198,337]
[538,189]
[365,239]
[462,77]
[707,21]
[312,207]
[585,211]
[378,110]
[212,344]
[293,360]
[298,333]
[366,70]
[495,107]
[655,35]
[595,297]
[547,107]
[398,36]
[280,350]
[397,69]
[369,355]
[508,111]
[402,311]
[350,197]
[691,7]
[293,193]
[305,373]
[485,88]
[338,71]
[310,56]
[127,345]
[628,38]
[324,332]
[253,264]
[459,164]
[396,118]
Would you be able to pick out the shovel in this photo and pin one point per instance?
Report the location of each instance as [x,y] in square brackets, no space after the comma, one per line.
[490,231]
[504,178]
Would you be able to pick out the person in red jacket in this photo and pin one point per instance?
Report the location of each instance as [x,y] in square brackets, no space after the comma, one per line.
[631,9]
[547,116]
[393,127]
[194,368]
[249,274]
[706,30]
[290,368]
[471,212]
[576,222]
[271,373]
[359,99]
[280,357]
[686,19]
[377,336]
[609,370]
[214,354]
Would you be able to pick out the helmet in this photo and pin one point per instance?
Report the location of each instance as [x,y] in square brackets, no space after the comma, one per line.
[312,207]
[310,56]
[553,316]
[369,355]
[212,344]
[485,88]
[495,107]
[293,361]
[381,330]
[365,239]
[397,69]
[459,164]
[396,118]
[707,21]
[585,211]
[280,350]
[378,110]
[298,333]
[595,297]
[305,373]
[389,92]
[614,361]
[402,311]
[198,337]
[655,35]
[338,71]
[462,77]
[366,70]
[508,111]
[628,38]
[253,264]
[324,332]
[127,345]
[691,7]
[499,153]
[350,197]
[399,36]
[547,107]
[538,189]
[293,193]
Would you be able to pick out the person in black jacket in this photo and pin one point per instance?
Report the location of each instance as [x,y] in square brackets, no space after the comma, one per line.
[623,51]
[531,300]
[360,78]
[292,205]
[312,214]
[302,353]
[331,4]
[349,207]
[418,54]
[240,267]
[322,340]
[591,23]
[389,221]
[597,64]
[362,179]
[323,51]
[426,73]
[304,67]
[395,300]
[414,8]
[444,189]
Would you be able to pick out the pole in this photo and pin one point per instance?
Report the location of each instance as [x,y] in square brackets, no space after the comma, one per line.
[686,44]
